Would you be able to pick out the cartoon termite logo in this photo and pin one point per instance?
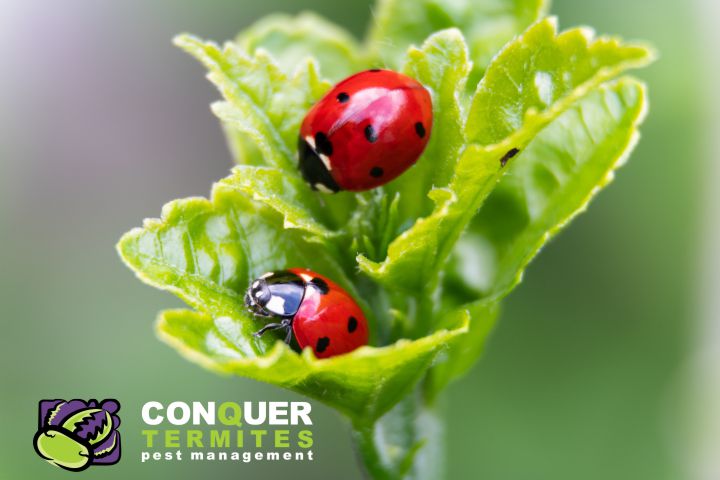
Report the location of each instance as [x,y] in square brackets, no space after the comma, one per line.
[75,434]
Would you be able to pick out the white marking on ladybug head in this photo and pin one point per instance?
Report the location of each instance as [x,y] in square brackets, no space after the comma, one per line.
[310,141]
[326,161]
[266,275]
[256,284]
[322,188]
[276,304]
[306,277]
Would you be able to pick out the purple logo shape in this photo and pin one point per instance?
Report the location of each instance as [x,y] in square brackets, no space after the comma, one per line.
[75,434]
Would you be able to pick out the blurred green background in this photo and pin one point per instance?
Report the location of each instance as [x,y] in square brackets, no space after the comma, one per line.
[102,121]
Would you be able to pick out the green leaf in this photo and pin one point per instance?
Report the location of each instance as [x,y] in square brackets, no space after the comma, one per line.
[283,193]
[208,251]
[534,74]
[291,40]
[561,170]
[403,443]
[559,173]
[416,257]
[442,65]
[263,104]
[374,223]
[486,24]
[480,316]
[363,384]
[263,107]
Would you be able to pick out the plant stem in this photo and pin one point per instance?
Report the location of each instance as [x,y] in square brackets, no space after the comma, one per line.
[406,443]
[369,454]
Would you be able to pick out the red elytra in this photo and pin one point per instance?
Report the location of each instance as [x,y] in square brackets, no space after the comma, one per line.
[366,131]
[331,322]
[319,313]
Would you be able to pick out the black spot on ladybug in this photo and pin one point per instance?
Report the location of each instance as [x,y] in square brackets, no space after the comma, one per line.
[343,97]
[322,344]
[322,144]
[321,285]
[376,172]
[352,324]
[370,134]
[420,129]
[510,154]
[374,70]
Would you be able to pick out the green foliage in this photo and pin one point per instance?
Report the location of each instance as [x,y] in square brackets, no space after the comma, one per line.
[554,179]
[363,385]
[306,36]
[534,80]
[560,171]
[486,24]
[522,139]
[442,64]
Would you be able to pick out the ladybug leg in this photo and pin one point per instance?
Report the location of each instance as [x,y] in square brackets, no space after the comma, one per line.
[269,326]
[285,323]
[288,336]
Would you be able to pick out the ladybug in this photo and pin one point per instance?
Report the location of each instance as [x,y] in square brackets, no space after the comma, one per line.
[366,131]
[320,313]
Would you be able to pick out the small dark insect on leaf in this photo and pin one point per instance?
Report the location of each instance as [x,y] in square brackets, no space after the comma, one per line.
[510,154]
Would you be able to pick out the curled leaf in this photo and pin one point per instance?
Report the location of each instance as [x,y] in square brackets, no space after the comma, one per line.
[487,25]
[416,257]
[262,104]
[292,40]
[560,172]
[363,384]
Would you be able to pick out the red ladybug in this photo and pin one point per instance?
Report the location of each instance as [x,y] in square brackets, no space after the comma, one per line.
[320,313]
[366,131]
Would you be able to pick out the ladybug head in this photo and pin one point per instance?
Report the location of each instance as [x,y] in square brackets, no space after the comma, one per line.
[314,164]
[275,294]
[257,297]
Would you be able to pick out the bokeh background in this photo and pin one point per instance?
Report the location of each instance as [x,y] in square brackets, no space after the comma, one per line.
[605,364]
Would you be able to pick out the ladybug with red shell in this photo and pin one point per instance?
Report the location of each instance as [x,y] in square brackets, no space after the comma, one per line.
[366,131]
[320,313]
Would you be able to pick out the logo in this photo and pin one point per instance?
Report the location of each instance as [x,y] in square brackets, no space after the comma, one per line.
[76,434]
